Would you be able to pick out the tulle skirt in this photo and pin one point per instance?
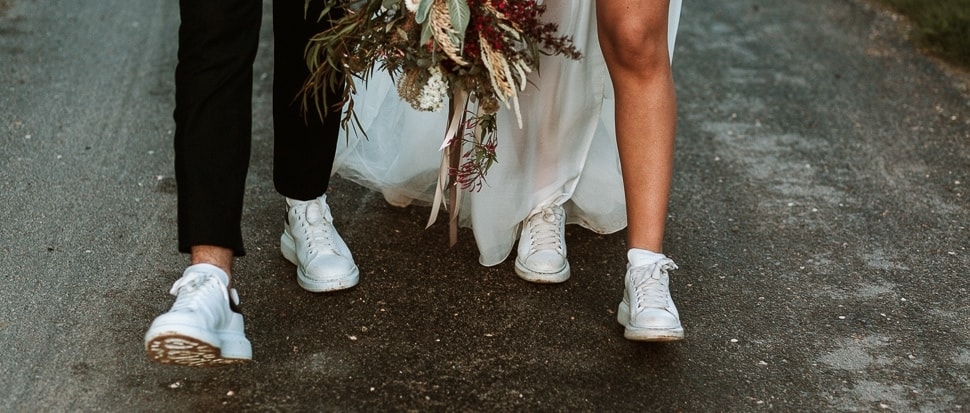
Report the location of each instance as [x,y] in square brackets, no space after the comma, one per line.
[565,152]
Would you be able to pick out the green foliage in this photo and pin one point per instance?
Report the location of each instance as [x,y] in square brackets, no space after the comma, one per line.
[941,26]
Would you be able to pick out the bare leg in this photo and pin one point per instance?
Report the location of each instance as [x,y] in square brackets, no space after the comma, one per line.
[633,36]
[210,254]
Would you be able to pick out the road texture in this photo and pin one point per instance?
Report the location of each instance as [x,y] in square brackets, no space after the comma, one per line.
[820,218]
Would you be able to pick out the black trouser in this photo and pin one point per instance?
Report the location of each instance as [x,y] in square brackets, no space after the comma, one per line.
[213,115]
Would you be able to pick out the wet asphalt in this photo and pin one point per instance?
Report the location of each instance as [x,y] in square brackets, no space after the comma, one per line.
[819,215]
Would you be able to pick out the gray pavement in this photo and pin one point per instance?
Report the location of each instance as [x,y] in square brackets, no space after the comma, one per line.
[820,218]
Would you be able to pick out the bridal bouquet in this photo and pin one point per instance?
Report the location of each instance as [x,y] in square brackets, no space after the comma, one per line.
[454,52]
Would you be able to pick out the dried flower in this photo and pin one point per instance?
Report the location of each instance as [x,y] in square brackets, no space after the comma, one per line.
[432,47]
[434,93]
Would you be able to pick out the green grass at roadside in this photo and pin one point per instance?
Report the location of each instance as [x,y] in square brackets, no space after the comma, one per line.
[941,26]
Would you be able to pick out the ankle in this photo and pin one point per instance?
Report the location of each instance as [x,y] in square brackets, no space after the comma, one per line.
[220,257]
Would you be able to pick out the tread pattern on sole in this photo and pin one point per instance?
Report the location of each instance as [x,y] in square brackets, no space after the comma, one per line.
[187,351]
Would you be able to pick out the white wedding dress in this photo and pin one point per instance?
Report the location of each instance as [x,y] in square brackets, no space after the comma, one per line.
[565,151]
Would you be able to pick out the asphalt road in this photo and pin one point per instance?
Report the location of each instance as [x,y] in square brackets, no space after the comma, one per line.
[820,218]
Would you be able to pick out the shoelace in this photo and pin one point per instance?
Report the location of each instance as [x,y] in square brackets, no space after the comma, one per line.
[647,282]
[317,228]
[190,290]
[544,228]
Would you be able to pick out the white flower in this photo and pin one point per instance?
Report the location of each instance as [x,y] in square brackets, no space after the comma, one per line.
[412,5]
[434,92]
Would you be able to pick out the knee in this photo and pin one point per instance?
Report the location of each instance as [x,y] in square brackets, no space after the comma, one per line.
[635,47]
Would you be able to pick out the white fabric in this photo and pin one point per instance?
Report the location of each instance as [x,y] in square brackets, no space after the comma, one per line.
[564,153]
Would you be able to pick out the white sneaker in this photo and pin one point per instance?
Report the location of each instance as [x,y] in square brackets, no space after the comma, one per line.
[542,246]
[647,310]
[202,328]
[310,241]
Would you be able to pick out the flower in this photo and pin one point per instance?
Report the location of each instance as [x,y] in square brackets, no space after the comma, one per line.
[435,48]
[411,5]
[434,92]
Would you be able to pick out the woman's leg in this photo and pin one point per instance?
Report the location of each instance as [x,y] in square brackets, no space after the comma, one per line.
[633,36]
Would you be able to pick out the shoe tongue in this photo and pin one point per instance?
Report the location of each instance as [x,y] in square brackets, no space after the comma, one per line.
[549,217]
[203,268]
[640,257]
[314,212]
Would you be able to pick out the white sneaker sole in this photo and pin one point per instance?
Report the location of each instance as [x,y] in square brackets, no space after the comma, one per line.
[288,248]
[646,334]
[541,277]
[185,348]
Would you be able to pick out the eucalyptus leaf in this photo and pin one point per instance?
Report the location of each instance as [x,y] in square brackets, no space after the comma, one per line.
[460,14]
[426,33]
[424,10]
